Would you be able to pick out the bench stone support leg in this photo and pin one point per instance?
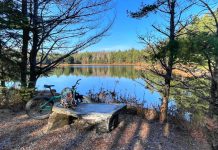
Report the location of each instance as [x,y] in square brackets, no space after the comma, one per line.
[108,125]
[57,120]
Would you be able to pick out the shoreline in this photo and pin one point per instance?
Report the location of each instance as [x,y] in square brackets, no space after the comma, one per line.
[63,65]
[138,66]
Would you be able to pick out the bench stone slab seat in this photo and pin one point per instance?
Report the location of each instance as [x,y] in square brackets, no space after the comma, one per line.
[104,115]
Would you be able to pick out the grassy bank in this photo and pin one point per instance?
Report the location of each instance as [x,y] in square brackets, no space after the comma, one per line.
[182,70]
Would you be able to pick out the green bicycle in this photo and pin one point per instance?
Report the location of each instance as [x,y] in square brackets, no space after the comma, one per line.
[40,107]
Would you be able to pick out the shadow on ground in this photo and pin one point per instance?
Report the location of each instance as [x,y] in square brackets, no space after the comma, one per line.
[17,131]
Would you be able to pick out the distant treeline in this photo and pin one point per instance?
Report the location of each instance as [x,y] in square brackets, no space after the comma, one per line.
[115,57]
[131,56]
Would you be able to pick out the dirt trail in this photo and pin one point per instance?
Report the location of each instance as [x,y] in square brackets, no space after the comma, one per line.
[18,131]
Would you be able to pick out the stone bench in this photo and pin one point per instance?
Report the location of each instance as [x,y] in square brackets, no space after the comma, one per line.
[105,116]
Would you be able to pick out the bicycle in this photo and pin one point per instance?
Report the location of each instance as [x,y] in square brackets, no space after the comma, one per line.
[40,107]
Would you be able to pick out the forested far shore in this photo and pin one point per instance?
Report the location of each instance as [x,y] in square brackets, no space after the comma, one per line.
[131,56]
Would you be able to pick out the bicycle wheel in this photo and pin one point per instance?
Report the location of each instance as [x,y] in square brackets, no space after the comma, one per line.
[39,108]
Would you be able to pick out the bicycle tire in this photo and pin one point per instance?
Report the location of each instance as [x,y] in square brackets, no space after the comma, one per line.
[39,108]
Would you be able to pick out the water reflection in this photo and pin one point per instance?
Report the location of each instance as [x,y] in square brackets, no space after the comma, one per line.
[123,79]
[110,71]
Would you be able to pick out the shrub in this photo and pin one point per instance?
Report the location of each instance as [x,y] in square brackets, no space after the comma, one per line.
[14,98]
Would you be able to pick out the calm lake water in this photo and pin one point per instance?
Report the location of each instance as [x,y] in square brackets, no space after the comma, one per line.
[125,80]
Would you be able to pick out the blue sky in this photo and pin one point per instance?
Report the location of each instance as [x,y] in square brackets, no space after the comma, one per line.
[123,34]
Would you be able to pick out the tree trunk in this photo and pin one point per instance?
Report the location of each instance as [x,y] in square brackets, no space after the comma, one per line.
[164,109]
[172,48]
[33,53]
[212,124]
[25,46]
[33,78]
[2,83]
[164,105]
[212,121]
[1,67]
[215,81]
[213,107]
[214,92]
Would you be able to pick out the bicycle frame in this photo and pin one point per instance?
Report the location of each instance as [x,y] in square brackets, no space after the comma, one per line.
[54,98]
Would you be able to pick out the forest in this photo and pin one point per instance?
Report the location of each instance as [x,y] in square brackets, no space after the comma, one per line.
[131,56]
[38,36]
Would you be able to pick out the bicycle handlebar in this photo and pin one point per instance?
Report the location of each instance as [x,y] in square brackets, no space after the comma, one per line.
[77,82]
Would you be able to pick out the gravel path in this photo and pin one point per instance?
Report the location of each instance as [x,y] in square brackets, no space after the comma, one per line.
[18,131]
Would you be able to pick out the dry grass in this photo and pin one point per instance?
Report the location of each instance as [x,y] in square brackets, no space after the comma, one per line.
[183,71]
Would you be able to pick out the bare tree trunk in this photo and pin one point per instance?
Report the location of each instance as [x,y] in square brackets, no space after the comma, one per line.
[33,53]
[164,105]
[24,46]
[165,99]
[169,69]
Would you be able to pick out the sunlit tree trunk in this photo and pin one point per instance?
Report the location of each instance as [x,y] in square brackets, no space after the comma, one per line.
[164,105]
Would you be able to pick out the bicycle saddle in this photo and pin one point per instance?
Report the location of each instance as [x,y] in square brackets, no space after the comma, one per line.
[48,86]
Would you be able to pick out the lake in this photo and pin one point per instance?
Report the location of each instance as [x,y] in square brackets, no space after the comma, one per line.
[125,80]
